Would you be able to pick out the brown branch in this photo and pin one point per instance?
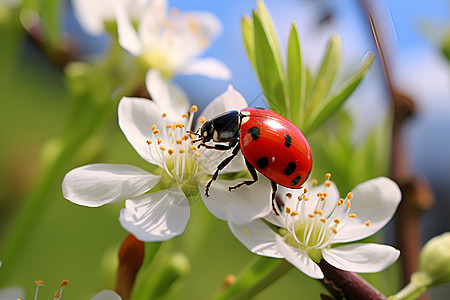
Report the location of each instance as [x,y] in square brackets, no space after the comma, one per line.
[347,285]
[417,195]
[131,256]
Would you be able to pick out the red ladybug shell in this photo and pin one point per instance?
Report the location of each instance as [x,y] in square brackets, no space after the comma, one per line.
[275,147]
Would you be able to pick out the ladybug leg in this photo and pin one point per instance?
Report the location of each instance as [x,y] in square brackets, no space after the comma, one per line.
[222,165]
[247,182]
[274,197]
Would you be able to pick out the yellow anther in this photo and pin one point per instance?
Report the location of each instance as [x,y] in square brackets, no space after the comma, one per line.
[229,280]
[57,295]
[318,212]
[156,131]
[337,221]
[245,230]
[64,283]
[182,151]
[288,210]
[39,282]
[170,151]
[164,115]
[300,198]
[193,136]
[325,194]
[179,141]
[305,198]
[348,204]
[311,215]
[323,220]
[314,182]
[319,194]
[327,176]
[192,147]
[159,141]
[197,154]
[194,108]
[352,215]
[334,230]
[171,126]
[185,137]
[349,196]
[149,142]
[294,213]
[367,223]
[162,148]
[327,183]
[340,202]
[180,125]
[185,115]
[305,190]
[153,127]
[322,198]
[289,195]
[202,120]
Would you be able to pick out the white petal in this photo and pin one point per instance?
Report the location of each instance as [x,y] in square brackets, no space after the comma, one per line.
[209,23]
[136,117]
[156,217]
[299,259]
[375,200]
[170,98]
[240,206]
[13,293]
[229,100]
[361,258]
[257,237]
[212,158]
[209,67]
[98,184]
[106,295]
[128,37]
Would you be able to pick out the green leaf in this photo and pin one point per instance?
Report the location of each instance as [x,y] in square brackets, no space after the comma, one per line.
[269,74]
[295,76]
[327,73]
[248,39]
[269,26]
[327,107]
[51,22]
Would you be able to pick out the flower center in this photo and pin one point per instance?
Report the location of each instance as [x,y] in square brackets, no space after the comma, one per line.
[313,228]
[171,147]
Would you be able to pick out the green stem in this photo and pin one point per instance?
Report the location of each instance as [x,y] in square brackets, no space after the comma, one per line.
[414,289]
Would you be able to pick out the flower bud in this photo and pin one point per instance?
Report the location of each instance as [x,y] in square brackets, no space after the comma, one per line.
[434,259]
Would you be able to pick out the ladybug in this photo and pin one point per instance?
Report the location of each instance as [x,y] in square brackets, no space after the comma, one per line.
[269,142]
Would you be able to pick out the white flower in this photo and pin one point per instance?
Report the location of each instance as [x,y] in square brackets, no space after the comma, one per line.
[162,141]
[170,42]
[311,221]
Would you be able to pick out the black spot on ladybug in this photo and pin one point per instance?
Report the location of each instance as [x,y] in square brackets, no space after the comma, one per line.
[262,162]
[290,169]
[255,132]
[296,180]
[287,140]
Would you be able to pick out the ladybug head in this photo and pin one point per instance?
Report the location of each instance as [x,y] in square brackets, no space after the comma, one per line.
[207,131]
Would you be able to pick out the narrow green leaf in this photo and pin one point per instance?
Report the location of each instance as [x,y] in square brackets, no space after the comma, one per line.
[327,73]
[327,107]
[271,32]
[294,79]
[248,38]
[254,272]
[270,76]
